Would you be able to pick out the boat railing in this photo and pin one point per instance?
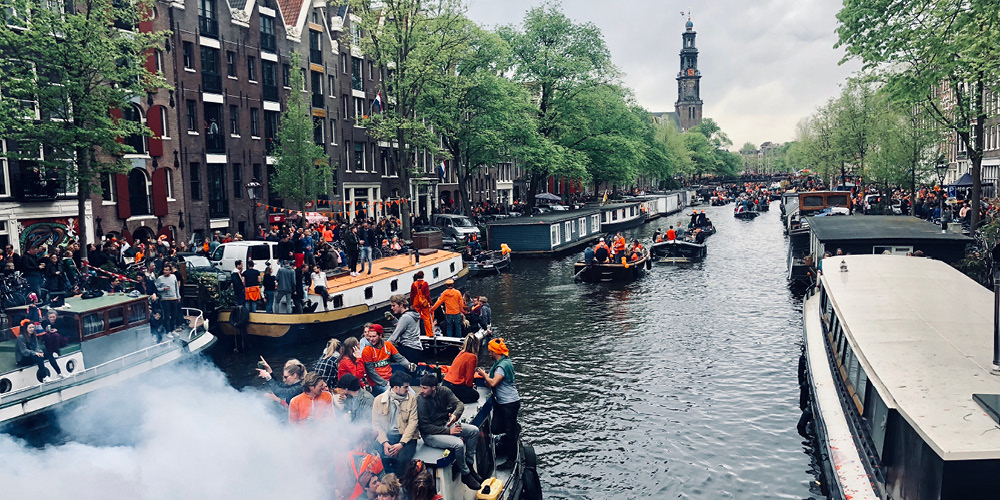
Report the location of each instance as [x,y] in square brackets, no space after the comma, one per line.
[94,372]
[197,322]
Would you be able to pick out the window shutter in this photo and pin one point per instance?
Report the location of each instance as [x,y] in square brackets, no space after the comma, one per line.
[121,186]
[160,192]
[153,120]
[116,114]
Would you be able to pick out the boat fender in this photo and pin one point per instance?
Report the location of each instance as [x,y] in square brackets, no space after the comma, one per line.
[803,396]
[803,424]
[532,486]
[649,263]
[802,369]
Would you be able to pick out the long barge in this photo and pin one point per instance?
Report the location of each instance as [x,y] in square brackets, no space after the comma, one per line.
[899,381]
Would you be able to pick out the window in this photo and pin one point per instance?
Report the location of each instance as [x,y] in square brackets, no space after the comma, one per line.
[158,60]
[347,152]
[371,70]
[164,129]
[168,178]
[346,102]
[554,234]
[195,176]
[218,203]
[393,285]
[188,56]
[208,21]
[286,76]
[333,128]
[4,172]
[136,141]
[231,64]
[357,81]
[369,292]
[237,180]
[252,69]
[139,192]
[359,109]
[137,312]
[269,80]
[332,86]
[338,301]
[192,116]
[108,188]
[211,78]
[267,41]
[304,78]
[315,47]
[234,120]
[318,136]
[254,122]
[435,273]
[343,63]
[359,156]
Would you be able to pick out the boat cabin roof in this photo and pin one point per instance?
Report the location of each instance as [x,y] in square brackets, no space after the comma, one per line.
[549,217]
[818,200]
[925,351]
[77,305]
[878,227]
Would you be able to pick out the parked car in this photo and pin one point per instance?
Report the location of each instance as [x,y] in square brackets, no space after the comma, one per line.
[456,226]
[200,263]
[226,255]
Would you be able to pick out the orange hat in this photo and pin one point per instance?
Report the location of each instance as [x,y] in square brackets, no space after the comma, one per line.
[498,346]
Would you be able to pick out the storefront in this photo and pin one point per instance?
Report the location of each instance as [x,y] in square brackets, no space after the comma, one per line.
[25,225]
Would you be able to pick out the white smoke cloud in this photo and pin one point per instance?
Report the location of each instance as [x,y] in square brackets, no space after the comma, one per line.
[182,432]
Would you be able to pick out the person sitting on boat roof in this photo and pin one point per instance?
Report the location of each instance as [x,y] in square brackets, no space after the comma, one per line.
[438,411]
[319,285]
[394,419]
[601,252]
[454,306]
[354,402]
[671,234]
[291,384]
[461,375]
[376,359]
[314,403]
[500,378]
[406,335]
[28,352]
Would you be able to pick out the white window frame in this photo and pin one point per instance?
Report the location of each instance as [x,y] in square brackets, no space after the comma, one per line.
[111,191]
[164,128]
[582,224]
[554,235]
[169,179]
[4,168]
[569,230]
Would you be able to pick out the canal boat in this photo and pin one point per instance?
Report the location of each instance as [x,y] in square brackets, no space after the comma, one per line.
[621,216]
[746,214]
[545,234]
[899,382]
[487,263]
[678,252]
[354,300]
[611,272]
[809,205]
[110,341]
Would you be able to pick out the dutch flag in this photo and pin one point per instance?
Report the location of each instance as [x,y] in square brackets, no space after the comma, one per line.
[377,104]
[441,171]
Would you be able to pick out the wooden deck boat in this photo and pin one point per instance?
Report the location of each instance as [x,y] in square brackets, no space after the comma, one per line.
[898,384]
[610,272]
[678,252]
[109,342]
[355,300]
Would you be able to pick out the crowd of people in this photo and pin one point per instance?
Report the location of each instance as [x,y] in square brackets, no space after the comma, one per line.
[369,383]
[620,251]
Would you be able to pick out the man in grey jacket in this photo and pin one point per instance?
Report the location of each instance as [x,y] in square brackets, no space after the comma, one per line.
[438,411]
[406,335]
[286,284]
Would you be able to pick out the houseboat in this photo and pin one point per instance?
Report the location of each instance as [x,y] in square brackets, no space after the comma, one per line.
[657,205]
[809,204]
[110,341]
[899,382]
[546,234]
[873,234]
[621,216]
[354,300]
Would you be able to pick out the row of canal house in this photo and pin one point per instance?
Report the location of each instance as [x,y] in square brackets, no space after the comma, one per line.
[229,63]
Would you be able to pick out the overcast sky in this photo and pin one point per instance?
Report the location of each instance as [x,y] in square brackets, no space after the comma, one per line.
[764,64]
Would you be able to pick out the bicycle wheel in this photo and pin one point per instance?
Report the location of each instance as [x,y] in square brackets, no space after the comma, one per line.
[376,253]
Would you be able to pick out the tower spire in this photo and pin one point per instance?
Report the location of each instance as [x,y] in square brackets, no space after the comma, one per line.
[689,104]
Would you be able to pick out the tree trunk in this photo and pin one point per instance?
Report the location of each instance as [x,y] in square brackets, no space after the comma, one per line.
[82,194]
[976,154]
[463,190]
[402,162]
[532,189]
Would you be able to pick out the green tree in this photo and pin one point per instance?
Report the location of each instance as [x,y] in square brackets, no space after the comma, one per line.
[676,154]
[301,170]
[559,61]
[410,41]
[481,117]
[856,122]
[67,70]
[942,55]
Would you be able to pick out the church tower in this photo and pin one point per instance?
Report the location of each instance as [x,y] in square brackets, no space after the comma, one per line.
[688,105]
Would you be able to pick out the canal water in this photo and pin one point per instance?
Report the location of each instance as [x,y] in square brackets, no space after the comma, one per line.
[681,385]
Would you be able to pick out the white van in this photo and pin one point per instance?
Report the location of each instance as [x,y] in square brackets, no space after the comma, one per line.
[456,226]
[226,255]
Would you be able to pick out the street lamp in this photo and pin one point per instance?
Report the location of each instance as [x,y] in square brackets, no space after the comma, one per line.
[941,168]
[254,191]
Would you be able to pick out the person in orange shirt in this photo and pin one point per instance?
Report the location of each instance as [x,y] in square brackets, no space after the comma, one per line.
[314,403]
[462,374]
[671,234]
[619,245]
[453,307]
[420,300]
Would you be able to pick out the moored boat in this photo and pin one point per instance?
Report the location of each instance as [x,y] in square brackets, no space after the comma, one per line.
[899,385]
[611,272]
[109,341]
[746,215]
[678,252]
[355,300]
[621,216]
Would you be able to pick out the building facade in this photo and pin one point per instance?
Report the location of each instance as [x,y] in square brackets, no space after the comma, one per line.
[689,104]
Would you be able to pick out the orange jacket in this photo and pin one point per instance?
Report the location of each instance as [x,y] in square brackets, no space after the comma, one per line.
[619,245]
[671,235]
[452,300]
[304,405]
[463,369]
